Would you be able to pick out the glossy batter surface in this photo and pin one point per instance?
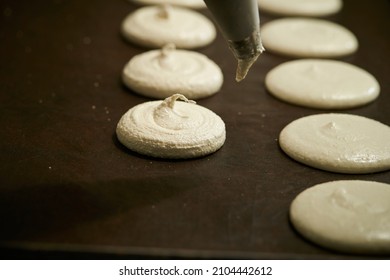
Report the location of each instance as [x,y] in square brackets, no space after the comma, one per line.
[342,143]
[301,7]
[308,37]
[324,84]
[350,215]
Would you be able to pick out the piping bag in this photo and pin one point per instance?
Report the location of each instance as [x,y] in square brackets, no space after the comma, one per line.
[239,22]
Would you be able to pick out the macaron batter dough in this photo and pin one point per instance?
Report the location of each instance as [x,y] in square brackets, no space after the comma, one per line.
[308,37]
[322,83]
[195,4]
[155,26]
[171,129]
[158,73]
[338,142]
[301,7]
[351,216]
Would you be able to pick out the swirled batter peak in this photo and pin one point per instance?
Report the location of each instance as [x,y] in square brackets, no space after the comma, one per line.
[171,129]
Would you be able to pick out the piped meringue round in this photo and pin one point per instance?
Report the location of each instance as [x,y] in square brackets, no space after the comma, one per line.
[351,216]
[195,4]
[322,83]
[308,37]
[313,8]
[155,26]
[158,73]
[341,143]
[171,129]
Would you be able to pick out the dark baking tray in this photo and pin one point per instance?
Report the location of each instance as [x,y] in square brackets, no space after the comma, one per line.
[69,189]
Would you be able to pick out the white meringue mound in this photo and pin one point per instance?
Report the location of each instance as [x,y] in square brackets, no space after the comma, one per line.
[156,26]
[342,143]
[322,83]
[158,73]
[171,129]
[350,216]
[312,8]
[308,37]
[194,4]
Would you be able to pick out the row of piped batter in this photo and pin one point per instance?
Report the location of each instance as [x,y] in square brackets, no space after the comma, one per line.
[351,216]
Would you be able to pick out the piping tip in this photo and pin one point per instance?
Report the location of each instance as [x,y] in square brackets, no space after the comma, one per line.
[243,66]
[246,52]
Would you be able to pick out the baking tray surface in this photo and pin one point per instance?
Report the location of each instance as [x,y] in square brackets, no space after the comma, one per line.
[68,185]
